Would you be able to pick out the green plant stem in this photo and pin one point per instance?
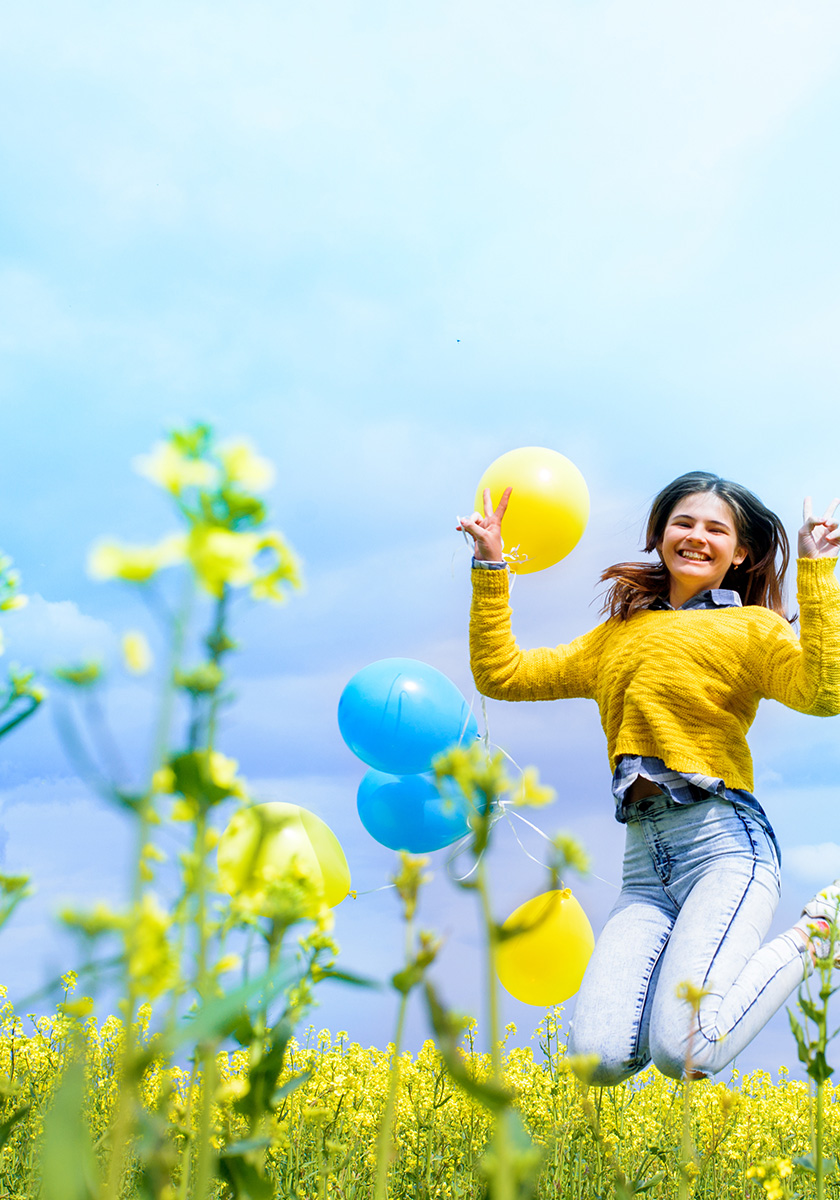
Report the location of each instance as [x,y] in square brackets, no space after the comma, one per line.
[686,1151]
[383,1145]
[205,1051]
[383,1148]
[128,1090]
[216,639]
[503,1186]
[818,1129]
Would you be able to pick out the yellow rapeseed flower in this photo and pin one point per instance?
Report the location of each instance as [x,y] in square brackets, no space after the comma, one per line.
[572,852]
[530,792]
[163,781]
[152,964]
[185,808]
[226,557]
[243,466]
[691,993]
[82,1007]
[10,603]
[110,559]
[137,654]
[222,556]
[173,470]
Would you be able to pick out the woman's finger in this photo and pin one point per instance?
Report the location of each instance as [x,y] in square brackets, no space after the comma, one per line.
[473,525]
[807,511]
[501,508]
[829,512]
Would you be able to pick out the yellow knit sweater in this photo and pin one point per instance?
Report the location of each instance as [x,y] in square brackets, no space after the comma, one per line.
[681,685]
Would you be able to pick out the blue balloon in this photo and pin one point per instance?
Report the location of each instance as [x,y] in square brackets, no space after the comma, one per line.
[398,713]
[407,812]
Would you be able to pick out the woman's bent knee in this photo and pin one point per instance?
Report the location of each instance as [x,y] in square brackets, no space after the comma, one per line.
[602,1069]
[695,1059]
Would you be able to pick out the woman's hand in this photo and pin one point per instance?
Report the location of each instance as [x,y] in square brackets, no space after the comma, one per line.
[818,537]
[486,531]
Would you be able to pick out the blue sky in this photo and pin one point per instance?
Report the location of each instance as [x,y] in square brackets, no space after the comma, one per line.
[389,243]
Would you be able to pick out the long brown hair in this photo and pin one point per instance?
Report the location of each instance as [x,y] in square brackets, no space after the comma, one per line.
[759,579]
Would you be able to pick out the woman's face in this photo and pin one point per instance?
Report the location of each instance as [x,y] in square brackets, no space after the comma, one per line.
[699,545]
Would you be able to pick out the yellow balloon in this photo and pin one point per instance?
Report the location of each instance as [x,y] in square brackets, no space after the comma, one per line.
[544,964]
[548,508]
[264,842]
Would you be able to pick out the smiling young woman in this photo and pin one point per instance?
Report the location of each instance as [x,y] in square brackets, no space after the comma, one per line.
[692,642]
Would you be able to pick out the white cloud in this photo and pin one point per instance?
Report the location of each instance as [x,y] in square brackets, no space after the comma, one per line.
[817,864]
[48,632]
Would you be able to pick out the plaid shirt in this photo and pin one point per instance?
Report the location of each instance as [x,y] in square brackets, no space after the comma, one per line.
[685,789]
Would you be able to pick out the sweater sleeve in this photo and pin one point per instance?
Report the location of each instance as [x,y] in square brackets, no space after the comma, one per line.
[504,672]
[804,673]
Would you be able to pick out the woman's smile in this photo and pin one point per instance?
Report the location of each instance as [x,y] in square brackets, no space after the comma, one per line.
[699,545]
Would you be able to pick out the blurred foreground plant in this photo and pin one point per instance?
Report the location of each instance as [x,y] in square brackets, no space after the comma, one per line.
[812,1039]
[171,942]
[511,1161]
[20,696]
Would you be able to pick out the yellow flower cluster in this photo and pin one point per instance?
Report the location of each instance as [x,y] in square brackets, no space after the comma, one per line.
[214,489]
[772,1174]
[332,1095]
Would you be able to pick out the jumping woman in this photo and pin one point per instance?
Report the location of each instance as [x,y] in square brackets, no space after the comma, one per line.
[689,646]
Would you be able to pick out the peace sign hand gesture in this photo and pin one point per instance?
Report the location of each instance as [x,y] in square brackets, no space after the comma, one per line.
[486,531]
[819,537]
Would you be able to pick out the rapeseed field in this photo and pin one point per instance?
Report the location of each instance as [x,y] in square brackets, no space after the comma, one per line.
[321,1140]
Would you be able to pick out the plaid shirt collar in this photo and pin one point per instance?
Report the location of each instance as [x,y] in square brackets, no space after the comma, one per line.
[711,598]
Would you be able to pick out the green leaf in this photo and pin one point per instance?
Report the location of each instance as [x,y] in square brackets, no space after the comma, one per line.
[80,675]
[447,1030]
[809,1163]
[201,680]
[265,1071]
[68,1166]
[251,1146]
[407,979]
[13,889]
[245,1180]
[810,1009]
[194,441]
[9,1124]
[194,778]
[818,1068]
[27,711]
[223,1015]
[638,1188]
[242,510]
[219,643]
[291,1085]
[347,977]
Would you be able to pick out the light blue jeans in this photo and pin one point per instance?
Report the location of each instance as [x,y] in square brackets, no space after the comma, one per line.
[701,883]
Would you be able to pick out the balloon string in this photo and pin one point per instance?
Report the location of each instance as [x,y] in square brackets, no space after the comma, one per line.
[507,804]
[470,713]
[386,887]
[519,839]
[461,845]
[486,738]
